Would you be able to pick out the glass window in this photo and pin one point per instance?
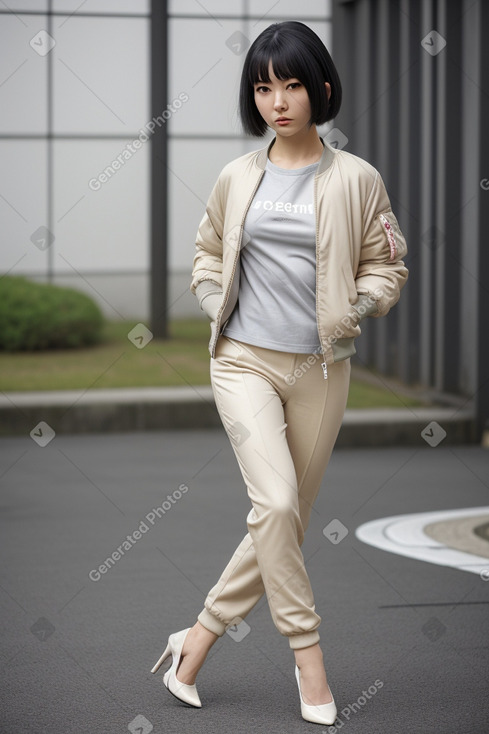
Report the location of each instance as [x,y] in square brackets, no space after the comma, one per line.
[101,75]
[101,206]
[189,185]
[102,6]
[23,206]
[204,63]
[23,76]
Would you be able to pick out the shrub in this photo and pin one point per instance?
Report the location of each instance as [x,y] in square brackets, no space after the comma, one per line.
[43,316]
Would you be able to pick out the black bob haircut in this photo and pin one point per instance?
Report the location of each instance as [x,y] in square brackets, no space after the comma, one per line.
[295,52]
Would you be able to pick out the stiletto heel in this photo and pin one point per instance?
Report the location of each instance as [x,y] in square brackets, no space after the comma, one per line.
[184,692]
[324,713]
[160,662]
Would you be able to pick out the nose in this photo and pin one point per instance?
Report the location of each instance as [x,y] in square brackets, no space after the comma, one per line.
[280,103]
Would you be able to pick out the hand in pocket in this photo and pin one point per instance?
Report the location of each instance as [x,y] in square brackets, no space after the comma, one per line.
[211,304]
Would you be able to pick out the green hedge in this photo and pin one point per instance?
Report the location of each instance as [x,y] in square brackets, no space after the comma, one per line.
[41,316]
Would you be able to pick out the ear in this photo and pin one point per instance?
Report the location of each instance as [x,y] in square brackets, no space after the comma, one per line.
[328,89]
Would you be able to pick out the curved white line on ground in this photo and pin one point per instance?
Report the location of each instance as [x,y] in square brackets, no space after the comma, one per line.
[403,534]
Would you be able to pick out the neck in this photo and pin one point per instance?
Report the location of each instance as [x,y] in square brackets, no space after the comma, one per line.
[298,150]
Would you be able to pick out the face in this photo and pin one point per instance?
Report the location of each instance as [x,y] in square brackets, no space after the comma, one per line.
[284,104]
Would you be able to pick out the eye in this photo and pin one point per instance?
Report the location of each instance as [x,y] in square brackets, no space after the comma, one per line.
[294,85]
[262,89]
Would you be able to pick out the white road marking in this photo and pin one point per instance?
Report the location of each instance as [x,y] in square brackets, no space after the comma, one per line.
[404,534]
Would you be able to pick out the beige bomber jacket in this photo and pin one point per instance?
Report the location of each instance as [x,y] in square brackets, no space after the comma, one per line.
[359,246]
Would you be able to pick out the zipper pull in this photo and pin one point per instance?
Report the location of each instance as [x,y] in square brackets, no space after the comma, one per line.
[325,370]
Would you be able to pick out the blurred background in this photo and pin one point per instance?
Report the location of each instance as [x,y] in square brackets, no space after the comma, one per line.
[117,116]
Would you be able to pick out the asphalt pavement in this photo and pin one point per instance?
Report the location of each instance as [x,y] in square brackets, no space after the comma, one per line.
[111,542]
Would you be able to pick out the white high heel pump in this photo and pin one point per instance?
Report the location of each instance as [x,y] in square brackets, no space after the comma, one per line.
[324,713]
[182,691]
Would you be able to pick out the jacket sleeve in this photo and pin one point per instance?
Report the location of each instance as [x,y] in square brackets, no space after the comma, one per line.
[381,271]
[207,262]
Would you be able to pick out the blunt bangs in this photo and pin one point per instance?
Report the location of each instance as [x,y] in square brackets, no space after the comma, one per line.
[295,51]
[284,64]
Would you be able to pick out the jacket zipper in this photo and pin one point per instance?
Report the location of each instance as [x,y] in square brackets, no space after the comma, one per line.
[323,364]
[236,258]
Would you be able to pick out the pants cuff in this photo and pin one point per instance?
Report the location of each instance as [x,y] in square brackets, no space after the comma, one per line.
[212,623]
[306,639]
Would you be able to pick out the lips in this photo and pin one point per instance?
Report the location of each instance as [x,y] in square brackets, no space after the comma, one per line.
[283,119]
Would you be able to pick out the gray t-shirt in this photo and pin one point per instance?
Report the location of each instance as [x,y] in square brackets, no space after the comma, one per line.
[276,306]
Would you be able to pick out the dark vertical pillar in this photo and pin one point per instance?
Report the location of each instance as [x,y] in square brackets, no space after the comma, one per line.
[429,240]
[482,353]
[449,200]
[386,158]
[50,149]
[393,144]
[344,54]
[381,132]
[407,208]
[363,138]
[440,260]
[413,174]
[159,171]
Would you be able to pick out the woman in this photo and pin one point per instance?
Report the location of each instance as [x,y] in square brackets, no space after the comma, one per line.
[298,243]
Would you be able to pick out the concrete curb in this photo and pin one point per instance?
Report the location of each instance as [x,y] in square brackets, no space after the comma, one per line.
[171,408]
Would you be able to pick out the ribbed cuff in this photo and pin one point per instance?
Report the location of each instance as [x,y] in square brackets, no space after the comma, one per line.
[366,305]
[205,288]
[306,639]
[212,623]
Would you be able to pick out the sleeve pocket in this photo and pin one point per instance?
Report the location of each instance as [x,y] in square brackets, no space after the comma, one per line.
[394,237]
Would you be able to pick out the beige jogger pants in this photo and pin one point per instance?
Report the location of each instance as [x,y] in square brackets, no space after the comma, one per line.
[282,418]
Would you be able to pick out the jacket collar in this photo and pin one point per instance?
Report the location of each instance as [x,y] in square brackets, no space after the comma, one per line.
[324,162]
